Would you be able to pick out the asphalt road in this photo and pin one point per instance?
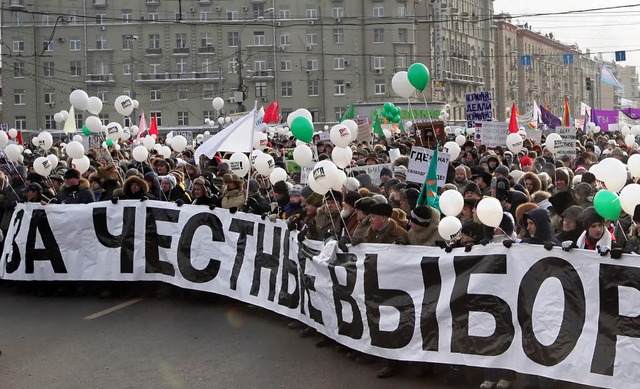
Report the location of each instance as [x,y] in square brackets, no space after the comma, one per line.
[87,342]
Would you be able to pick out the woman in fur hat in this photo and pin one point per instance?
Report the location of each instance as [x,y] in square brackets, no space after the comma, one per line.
[202,194]
[135,188]
[232,196]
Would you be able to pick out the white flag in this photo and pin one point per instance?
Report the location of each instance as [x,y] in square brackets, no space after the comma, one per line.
[237,137]
[584,109]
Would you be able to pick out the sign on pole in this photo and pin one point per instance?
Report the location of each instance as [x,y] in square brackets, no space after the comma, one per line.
[492,134]
[419,160]
[478,107]
[566,146]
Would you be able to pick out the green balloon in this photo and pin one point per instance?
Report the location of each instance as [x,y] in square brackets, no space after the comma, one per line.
[396,119]
[302,129]
[607,205]
[397,110]
[86,131]
[109,142]
[388,106]
[418,75]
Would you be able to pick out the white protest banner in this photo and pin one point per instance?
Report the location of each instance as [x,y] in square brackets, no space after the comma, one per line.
[372,170]
[419,165]
[478,107]
[566,146]
[569,316]
[364,133]
[324,136]
[534,135]
[188,135]
[304,173]
[492,134]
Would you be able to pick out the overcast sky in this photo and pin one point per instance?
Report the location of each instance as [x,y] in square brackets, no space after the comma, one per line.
[602,31]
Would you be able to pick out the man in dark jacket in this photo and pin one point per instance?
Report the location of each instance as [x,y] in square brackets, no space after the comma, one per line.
[539,228]
[73,192]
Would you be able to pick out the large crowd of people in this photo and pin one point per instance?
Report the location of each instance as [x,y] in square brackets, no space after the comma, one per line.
[546,200]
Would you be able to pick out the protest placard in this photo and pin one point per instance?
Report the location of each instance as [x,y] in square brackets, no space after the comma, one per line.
[419,160]
[188,135]
[566,146]
[478,107]
[492,134]
[372,170]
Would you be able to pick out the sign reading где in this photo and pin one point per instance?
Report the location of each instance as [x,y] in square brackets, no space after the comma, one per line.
[479,107]
[419,160]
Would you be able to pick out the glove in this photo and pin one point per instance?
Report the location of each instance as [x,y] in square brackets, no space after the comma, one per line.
[567,245]
[448,249]
[212,206]
[548,246]
[507,243]
[467,248]
[356,241]
[179,203]
[263,216]
[233,209]
[342,244]
[616,253]
[399,241]
[114,200]
[603,250]
[441,243]
[144,198]
[484,242]
[302,235]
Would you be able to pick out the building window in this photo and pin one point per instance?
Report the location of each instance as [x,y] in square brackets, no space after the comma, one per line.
[285,39]
[21,123]
[46,19]
[18,97]
[211,115]
[312,64]
[74,44]
[206,16]
[337,12]
[75,68]
[233,39]
[183,118]
[101,43]
[158,115]
[100,18]
[338,88]
[260,67]
[339,113]
[102,68]
[338,36]
[79,120]
[127,16]
[182,66]
[312,38]
[380,87]
[402,10]
[181,40]
[18,46]
[261,89]
[18,69]
[206,66]
[232,15]
[285,65]
[49,70]
[47,45]
[104,118]
[378,11]
[403,35]
[258,10]
[311,13]
[287,89]
[378,63]
[154,41]
[16,18]
[402,62]
[378,35]
[179,16]
[102,94]
[183,92]
[126,68]
[338,63]
[155,94]
[49,97]
[153,16]
[154,68]
[258,38]
[284,13]
[49,122]
[313,88]
[206,40]
[208,92]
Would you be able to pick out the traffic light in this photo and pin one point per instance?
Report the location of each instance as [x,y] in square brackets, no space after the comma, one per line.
[588,83]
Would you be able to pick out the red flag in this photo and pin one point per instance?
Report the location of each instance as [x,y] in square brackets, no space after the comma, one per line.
[513,121]
[272,114]
[566,121]
[18,137]
[153,129]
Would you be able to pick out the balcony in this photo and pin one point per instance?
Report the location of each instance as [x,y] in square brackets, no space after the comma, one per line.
[152,2]
[260,75]
[181,50]
[100,3]
[177,76]
[99,48]
[16,4]
[207,50]
[100,79]
[153,51]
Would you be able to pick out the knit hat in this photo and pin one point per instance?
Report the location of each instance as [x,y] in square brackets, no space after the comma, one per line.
[588,178]
[574,212]
[351,198]
[472,187]
[365,180]
[421,215]
[133,172]
[254,186]
[296,190]
[561,201]
[379,199]
[502,170]
[526,161]
[306,191]
[385,171]
[590,216]
[583,189]
[34,186]
[381,209]
[507,225]
[281,187]
[400,171]
[170,179]
[364,204]
[71,173]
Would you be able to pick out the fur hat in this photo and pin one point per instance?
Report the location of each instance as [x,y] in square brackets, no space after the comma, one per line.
[144,187]
[473,229]
[333,195]
[279,187]
[364,204]
[108,173]
[351,198]
[315,200]
[233,179]
[159,161]
[381,209]
[472,187]
[561,201]
[421,215]
[71,173]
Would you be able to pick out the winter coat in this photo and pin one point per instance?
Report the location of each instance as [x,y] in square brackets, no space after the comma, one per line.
[232,198]
[351,223]
[361,230]
[429,236]
[327,223]
[604,241]
[390,233]
[540,217]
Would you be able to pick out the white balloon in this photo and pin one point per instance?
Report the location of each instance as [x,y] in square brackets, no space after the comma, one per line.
[629,140]
[75,149]
[65,115]
[317,188]
[58,117]
[114,131]
[629,198]
[614,174]
[625,130]
[126,134]
[179,143]
[449,228]
[227,120]
[254,155]
[515,143]
[148,142]
[4,139]
[79,99]
[27,152]
[633,163]
[13,133]
[220,120]
[136,103]
[278,174]
[387,133]
[42,166]
[21,148]
[299,112]
[550,142]
[451,202]
[207,133]
[401,85]
[408,124]
[325,173]
[260,141]
[342,156]
[35,141]
[45,140]
[217,103]
[635,130]
[165,151]
[300,143]
[239,164]
[80,164]
[134,129]
[12,152]
[453,149]
[339,181]
[77,138]
[461,140]
[596,129]
[264,164]
[94,124]
[140,153]
[302,155]
[123,105]
[94,105]
[489,211]
[457,131]
[340,135]
[53,160]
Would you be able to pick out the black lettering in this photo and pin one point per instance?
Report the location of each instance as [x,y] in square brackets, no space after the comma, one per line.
[125,240]
[51,252]
[462,303]
[289,267]
[610,323]
[244,228]
[432,281]
[307,282]
[344,293]
[398,299]
[153,240]
[266,261]
[184,248]
[574,310]
[14,262]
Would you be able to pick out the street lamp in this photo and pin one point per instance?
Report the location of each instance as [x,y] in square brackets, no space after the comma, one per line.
[130,39]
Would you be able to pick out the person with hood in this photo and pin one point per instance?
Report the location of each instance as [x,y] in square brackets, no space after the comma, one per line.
[256,202]
[531,182]
[538,229]
[327,222]
[75,190]
[595,235]
[153,183]
[364,219]
[562,181]
[202,194]
[571,225]
[135,188]
[169,191]
[461,178]
[232,196]
[423,230]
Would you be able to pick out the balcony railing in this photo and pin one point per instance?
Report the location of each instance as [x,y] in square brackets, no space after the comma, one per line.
[100,78]
[206,50]
[174,76]
[181,50]
[154,51]
[260,74]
